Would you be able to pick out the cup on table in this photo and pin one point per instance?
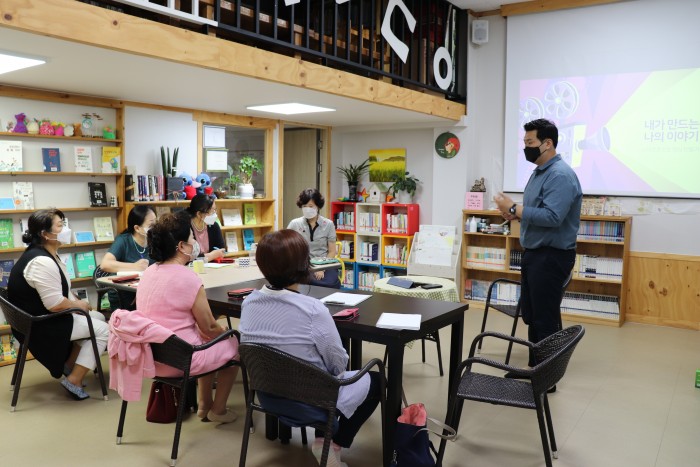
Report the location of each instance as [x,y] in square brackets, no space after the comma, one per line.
[243,262]
[198,266]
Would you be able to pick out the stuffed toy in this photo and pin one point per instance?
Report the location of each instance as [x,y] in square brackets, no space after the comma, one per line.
[21,127]
[190,184]
[205,184]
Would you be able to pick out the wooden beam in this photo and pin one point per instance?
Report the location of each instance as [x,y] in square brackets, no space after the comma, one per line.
[74,21]
[540,6]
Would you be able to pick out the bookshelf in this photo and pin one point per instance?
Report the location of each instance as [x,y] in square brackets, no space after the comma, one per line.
[380,241]
[264,209]
[597,292]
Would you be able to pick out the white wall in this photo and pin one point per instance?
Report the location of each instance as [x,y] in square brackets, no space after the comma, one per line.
[146,130]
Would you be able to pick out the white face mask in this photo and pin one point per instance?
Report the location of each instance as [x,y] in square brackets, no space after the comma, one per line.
[210,219]
[194,254]
[64,236]
[309,212]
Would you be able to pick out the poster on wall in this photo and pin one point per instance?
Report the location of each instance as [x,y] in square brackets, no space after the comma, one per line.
[384,164]
[447,145]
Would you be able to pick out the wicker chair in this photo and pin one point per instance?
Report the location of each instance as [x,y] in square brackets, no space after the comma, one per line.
[553,354]
[280,374]
[22,322]
[178,354]
[511,310]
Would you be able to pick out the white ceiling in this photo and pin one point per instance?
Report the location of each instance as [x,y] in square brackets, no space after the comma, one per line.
[84,69]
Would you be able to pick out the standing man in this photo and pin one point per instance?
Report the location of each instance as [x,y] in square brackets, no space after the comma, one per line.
[549,216]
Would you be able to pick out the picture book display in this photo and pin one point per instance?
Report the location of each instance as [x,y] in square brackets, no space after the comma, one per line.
[103,229]
[231,216]
[5,268]
[248,239]
[249,214]
[98,194]
[111,159]
[11,156]
[83,158]
[7,237]
[7,204]
[84,236]
[52,159]
[67,259]
[231,242]
[23,194]
[85,263]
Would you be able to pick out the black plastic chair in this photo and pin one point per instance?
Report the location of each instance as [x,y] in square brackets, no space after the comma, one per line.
[22,321]
[513,311]
[552,354]
[178,354]
[277,373]
[104,290]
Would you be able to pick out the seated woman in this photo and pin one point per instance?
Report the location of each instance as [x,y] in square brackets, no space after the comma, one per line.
[279,316]
[319,232]
[206,230]
[172,295]
[39,285]
[129,252]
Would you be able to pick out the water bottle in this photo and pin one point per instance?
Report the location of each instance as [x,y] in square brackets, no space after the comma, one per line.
[472,224]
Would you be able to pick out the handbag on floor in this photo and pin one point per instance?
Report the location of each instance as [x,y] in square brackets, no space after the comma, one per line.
[412,446]
[162,403]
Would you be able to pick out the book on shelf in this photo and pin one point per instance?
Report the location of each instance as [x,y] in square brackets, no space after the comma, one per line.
[52,159]
[67,259]
[103,229]
[85,263]
[7,236]
[231,216]
[83,158]
[98,194]
[7,204]
[249,214]
[11,156]
[111,159]
[23,194]
[8,349]
[84,236]
[231,242]
[23,227]
[248,239]
[5,268]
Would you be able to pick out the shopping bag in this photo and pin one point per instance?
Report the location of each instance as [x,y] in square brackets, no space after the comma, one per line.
[162,403]
[412,445]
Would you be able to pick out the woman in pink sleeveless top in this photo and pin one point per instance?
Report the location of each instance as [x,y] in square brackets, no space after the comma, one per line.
[173,296]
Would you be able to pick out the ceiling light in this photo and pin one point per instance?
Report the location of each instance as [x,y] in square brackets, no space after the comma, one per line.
[291,108]
[10,62]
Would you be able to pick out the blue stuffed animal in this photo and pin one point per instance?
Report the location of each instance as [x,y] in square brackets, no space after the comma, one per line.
[191,185]
[205,185]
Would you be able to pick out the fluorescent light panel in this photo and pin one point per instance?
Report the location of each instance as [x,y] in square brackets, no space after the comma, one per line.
[291,108]
[9,62]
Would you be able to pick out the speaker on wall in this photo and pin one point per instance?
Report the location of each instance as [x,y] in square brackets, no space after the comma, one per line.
[480,31]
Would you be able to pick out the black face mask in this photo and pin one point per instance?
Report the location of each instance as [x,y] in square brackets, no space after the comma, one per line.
[532,154]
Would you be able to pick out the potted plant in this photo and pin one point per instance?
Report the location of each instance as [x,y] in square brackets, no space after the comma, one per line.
[352,174]
[248,167]
[405,186]
[228,187]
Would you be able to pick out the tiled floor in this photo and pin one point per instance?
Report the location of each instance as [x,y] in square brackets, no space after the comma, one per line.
[628,399]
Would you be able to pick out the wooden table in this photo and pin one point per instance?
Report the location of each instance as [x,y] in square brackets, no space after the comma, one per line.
[435,315]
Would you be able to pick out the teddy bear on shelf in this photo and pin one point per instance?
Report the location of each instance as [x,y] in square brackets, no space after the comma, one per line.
[190,185]
[205,184]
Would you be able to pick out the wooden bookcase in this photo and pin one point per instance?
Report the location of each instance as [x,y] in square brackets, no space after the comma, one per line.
[499,260]
[67,189]
[264,216]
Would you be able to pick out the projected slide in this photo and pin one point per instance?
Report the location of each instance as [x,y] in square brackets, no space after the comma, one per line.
[625,134]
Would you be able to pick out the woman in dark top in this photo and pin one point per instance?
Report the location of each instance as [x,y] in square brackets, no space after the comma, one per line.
[39,285]
[206,230]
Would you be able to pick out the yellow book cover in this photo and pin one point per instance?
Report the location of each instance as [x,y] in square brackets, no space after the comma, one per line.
[111,159]
[249,214]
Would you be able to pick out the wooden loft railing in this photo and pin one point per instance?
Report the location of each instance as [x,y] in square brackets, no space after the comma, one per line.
[346,36]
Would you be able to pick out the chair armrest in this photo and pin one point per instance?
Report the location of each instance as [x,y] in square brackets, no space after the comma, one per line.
[522,372]
[67,311]
[497,335]
[214,341]
[374,362]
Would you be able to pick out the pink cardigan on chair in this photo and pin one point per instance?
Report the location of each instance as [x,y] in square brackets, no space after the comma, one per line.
[130,356]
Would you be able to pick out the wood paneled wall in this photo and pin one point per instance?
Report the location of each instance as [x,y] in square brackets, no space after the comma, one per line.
[664,289]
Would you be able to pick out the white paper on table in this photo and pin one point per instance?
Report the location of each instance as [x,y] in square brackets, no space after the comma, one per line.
[399,321]
[217,265]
